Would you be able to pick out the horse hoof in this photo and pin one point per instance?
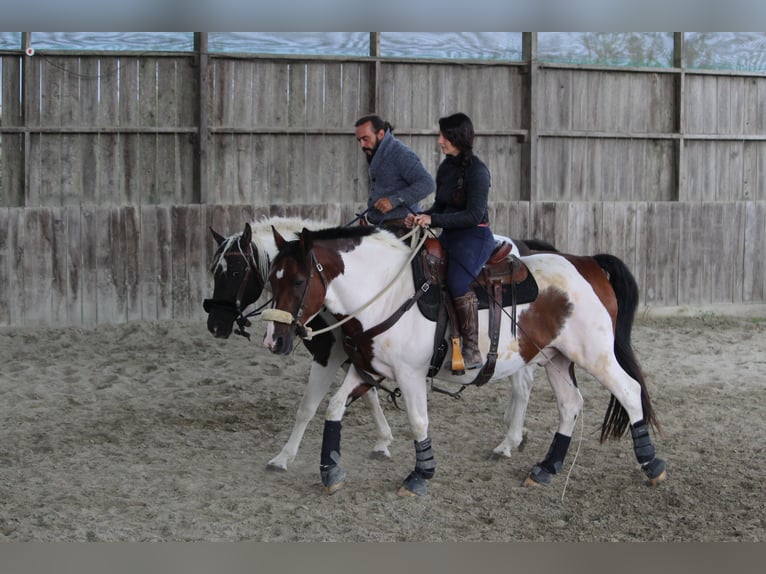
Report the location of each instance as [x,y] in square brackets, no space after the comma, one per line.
[380,455]
[404,491]
[538,476]
[658,479]
[532,483]
[333,488]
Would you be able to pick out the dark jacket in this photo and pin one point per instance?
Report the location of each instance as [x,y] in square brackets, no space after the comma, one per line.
[467,208]
[396,172]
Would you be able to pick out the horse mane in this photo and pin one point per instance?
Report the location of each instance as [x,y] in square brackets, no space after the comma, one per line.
[359,231]
[262,238]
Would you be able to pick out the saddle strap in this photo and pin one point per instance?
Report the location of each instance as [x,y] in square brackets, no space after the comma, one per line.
[351,343]
[493,328]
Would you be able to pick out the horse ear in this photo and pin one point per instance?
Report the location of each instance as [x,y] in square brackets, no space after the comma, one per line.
[247,235]
[306,240]
[217,236]
[278,239]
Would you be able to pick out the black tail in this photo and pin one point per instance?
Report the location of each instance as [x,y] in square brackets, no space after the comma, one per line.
[623,283]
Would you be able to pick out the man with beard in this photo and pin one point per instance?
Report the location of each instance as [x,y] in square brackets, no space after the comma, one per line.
[398,179]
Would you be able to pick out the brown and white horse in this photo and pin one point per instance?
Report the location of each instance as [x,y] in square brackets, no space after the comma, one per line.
[240,267]
[363,275]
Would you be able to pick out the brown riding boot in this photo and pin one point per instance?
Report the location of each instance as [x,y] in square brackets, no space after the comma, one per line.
[467,309]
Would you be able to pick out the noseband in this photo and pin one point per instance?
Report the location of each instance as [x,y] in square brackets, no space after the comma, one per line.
[250,267]
[279,316]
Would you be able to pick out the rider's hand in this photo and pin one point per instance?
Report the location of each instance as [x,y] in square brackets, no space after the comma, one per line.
[384,205]
[423,219]
[409,221]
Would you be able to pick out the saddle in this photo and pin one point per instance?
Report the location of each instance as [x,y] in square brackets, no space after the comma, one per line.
[504,281]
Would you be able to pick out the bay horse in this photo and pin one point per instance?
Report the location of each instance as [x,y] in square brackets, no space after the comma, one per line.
[240,267]
[345,270]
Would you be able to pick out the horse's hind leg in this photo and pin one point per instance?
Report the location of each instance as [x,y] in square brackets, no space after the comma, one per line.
[518,395]
[569,400]
[380,450]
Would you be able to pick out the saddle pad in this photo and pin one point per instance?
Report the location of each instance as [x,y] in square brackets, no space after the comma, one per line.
[526,292]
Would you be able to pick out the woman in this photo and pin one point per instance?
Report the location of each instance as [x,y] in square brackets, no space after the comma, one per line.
[460,209]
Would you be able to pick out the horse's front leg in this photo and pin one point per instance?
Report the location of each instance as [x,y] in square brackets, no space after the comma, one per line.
[569,401]
[333,475]
[320,380]
[415,397]
[518,399]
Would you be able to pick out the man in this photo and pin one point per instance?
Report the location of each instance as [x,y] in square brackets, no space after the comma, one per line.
[398,178]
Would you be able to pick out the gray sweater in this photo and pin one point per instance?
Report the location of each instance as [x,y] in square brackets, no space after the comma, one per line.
[396,172]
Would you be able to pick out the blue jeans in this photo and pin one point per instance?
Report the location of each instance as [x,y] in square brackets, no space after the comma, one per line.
[468,249]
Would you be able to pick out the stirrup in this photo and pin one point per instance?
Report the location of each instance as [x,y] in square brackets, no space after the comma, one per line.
[458,364]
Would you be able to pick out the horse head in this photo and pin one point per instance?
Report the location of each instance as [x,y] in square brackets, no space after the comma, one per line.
[299,277]
[238,282]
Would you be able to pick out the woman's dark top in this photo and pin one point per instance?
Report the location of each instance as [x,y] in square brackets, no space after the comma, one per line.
[455,207]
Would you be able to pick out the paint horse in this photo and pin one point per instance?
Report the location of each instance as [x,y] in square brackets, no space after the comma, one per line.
[345,269]
[240,266]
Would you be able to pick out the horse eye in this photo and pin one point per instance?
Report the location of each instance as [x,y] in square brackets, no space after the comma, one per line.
[235,274]
[298,282]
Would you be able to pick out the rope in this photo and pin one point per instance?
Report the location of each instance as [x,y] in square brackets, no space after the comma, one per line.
[579,444]
[282,316]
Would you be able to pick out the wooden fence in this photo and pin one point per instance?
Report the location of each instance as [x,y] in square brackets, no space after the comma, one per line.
[112,166]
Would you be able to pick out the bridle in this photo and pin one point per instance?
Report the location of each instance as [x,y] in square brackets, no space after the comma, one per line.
[251,267]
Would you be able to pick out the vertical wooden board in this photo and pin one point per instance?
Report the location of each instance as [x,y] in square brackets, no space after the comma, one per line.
[149,250]
[504,167]
[723,108]
[16,246]
[89,88]
[52,79]
[655,172]
[618,235]
[110,260]
[179,250]
[40,186]
[543,221]
[551,178]
[272,84]
[148,170]
[89,234]
[400,113]
[73,148]
[557,99]
[443,99]
[6,256]
[37,267]
[218,91]
[128,93]
[74,262]
[10,86]
[692,255]
[164,285]
[387,89]
[595,180]
[216,218]
[200,284]
[316,95]
[243,95]
[148,97]
[618,180]
[11,170]
[658,224]
[296,94]
[737,105]
[421,105]
[519,220]
[168,92]
[131,223]
[260,192]
[223,186]
[244,159]
[759,110]
[758,175]
[723,243]
[298,189]
[109,91]
[168,166]
[278,168]
[333,98]
[130,188]
[186,80]
[59,267]
[349,106]
[81,177]
[584,227]
[729,156]
[326,162]
[70,91]
[754,256]
[103,179]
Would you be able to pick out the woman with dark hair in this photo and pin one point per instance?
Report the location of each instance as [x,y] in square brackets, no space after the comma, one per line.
[460,209]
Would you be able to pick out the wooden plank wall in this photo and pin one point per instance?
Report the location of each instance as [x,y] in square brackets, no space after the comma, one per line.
[98,219]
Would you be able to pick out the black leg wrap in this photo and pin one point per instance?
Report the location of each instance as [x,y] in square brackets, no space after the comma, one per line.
[642,443]
[557,452]
[425,464]
[330,444]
